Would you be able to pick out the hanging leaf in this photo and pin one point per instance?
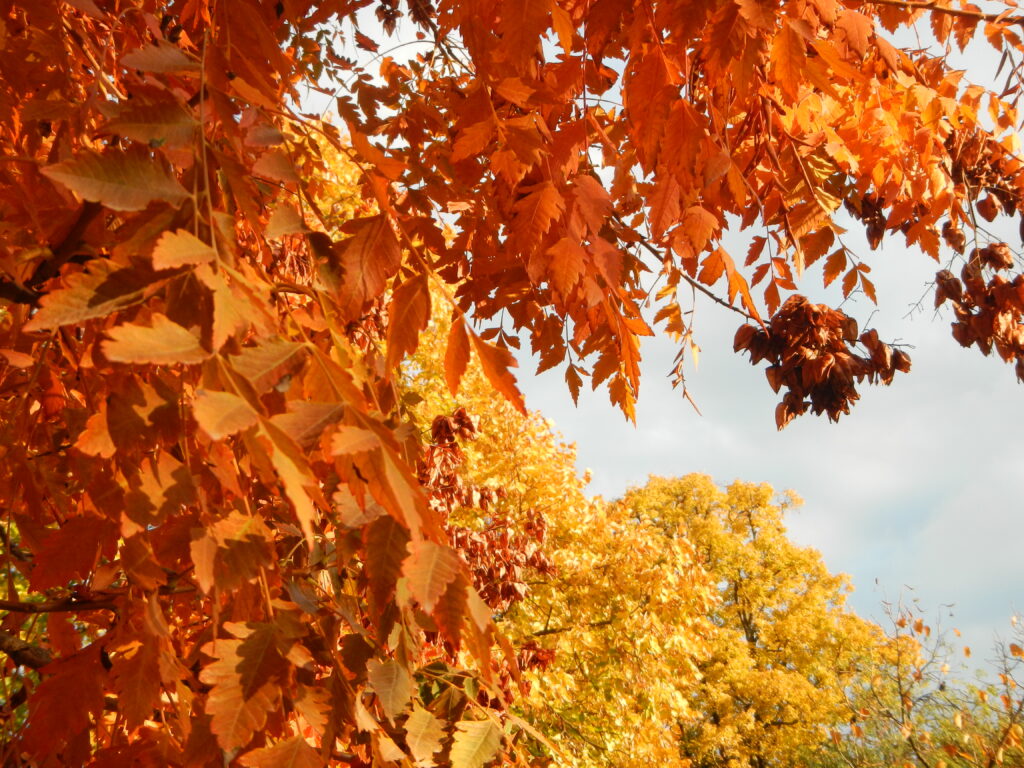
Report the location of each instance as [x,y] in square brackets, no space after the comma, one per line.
[423,734]
[392,684]
[475,744]
[292,753]
[430,569]
[496,363]
[409,312]
[456,356]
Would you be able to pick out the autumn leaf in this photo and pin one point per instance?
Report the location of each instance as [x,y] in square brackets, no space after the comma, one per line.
[102,289]
[430,568]
[163,343]
[496,363]
[456,356]
[392,684]
[348,439]
[245,678]
[475,744]
[409,312]
[160,57]
[367,259]
[423,734]
[123,181]
[291,753]
[181,248]
[222,414]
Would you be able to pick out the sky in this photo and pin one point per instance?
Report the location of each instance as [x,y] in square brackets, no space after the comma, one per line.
[915,494]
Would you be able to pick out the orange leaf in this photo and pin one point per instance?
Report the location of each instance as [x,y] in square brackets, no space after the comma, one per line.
[102,289]
[122,181]
[408,314]
[789,59]
[368,258]
[164,343]
[430,569]
[456,356]
[222,414]
[179,248]
[292,753]
[496,363]
[348,440]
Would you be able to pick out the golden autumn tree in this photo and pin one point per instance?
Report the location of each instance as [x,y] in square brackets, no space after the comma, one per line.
[212,484]
[774,683]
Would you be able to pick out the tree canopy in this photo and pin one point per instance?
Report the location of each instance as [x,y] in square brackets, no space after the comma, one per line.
[227,528]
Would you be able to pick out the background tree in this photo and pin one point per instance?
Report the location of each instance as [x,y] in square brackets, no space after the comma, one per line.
[786,648]
[920,705]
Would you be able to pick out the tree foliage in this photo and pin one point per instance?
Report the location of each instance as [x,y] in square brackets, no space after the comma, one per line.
[214,486]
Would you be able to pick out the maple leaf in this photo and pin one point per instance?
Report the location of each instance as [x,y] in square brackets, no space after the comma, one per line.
[456,356]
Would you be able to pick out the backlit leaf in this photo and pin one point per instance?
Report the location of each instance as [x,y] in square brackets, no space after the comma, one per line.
[430,568]
[292,753]
[392,684]
[180,248]
[222,414]
[163,343]
[122,181]
[476,743]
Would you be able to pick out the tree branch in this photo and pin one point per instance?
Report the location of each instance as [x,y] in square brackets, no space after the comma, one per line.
[932,5]
[64,605]
[22,653]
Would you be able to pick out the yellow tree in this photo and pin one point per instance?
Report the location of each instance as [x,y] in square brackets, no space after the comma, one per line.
[786,647]
[612,632]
